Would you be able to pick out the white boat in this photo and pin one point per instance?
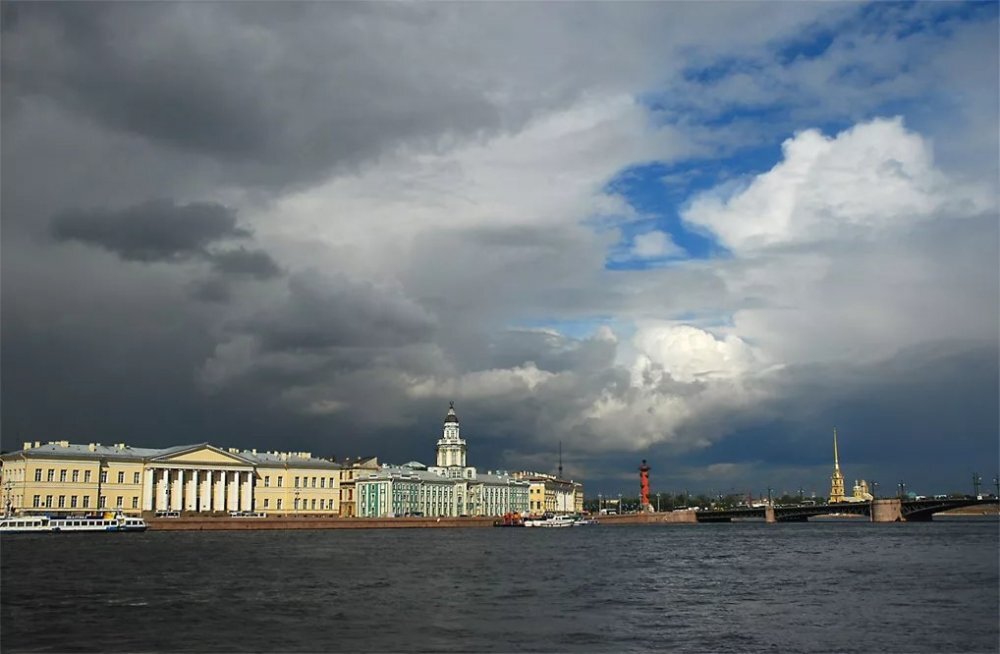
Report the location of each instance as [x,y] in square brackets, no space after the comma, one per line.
[58,524]
[550,521]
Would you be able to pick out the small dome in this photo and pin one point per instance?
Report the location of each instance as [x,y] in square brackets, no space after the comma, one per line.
[451,417]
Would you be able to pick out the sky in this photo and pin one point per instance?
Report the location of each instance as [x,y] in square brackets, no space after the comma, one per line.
[700,234]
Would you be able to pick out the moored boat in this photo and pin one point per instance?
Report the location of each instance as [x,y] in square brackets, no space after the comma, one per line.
[509,520]
[58,524]
[549,520]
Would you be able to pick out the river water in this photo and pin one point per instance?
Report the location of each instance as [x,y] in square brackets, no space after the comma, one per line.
[811,587]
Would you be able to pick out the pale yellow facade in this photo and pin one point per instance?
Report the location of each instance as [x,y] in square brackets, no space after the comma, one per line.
[63,477]
[350,470]
[548,494]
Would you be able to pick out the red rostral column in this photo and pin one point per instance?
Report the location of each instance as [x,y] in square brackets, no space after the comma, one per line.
[644,484]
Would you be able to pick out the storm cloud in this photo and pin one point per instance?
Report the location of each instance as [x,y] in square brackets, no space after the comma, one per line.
[158,230]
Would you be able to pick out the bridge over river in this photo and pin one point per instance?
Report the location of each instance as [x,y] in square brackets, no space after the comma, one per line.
[883,510]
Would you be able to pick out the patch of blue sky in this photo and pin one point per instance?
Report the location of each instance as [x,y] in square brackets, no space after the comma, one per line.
[660,192]
[904,19]
[811,44]
[578,329]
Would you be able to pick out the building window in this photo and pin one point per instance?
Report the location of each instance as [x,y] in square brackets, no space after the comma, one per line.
[86,476]
[76,476]
[48,501]
[62,501]
[266,502]
[280,481]
[120,502]
[279,500]
[322,482]
[52,474]
[267,481]
[314,482]
[86,501]
[135,502]
[102,502]
[104,476]
[135,478]
[62,476]
[121,477]
[314,505]
[36,501]
[296,482]
[38,474]
[296,504]
[72,502]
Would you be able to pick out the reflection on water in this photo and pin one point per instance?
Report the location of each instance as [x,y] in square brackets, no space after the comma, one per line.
[817,587]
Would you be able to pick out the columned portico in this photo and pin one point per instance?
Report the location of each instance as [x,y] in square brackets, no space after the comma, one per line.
[197,489]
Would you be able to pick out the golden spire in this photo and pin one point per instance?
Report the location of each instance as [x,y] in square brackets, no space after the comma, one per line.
[836,457]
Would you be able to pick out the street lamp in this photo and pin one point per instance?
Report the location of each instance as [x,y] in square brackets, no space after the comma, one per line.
[996,486]
[902,489]
[600,504]
[8,486]
[874,490]
[976,480]
[657,502]
[620,504]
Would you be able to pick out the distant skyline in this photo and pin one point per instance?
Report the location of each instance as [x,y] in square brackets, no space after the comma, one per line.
[698,234]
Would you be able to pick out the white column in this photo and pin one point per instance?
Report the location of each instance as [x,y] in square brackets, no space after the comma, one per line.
[177,492]
[246,496]
[161,490]
[232,492]
[147,489]
[220,490]
[192,495]
[206,491]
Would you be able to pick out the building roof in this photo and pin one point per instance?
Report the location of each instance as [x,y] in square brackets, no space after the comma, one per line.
[123,452]
[452,416]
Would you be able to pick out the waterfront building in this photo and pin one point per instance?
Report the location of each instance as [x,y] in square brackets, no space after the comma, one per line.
[63,477]
[837,478]
[550,494]
[450,488]
[861,492]
[349,471]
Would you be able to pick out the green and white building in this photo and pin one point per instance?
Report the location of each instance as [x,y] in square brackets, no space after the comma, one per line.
[451,488]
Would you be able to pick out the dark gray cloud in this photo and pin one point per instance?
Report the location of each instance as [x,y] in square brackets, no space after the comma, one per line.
[320,313]
[159,230]
[242,262]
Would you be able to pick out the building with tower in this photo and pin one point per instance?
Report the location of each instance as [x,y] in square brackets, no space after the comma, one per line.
[837,478]
[860,491]
[450,488]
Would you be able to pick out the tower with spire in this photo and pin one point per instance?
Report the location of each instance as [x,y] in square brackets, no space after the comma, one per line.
[837,478]
[451,448]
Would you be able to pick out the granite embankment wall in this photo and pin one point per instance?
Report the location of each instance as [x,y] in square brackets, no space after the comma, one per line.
[226,523]
[669,517]
[220,524]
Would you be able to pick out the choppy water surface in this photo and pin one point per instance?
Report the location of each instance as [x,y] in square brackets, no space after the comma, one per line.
[817,587]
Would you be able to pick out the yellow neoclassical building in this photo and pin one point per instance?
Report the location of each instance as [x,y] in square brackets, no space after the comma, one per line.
[60,476]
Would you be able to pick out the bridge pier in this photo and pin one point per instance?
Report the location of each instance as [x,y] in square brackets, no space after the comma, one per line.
[769,515]
[887,511]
